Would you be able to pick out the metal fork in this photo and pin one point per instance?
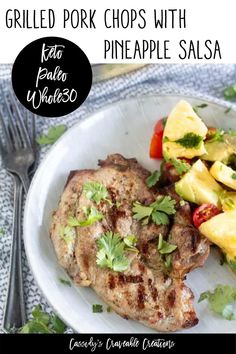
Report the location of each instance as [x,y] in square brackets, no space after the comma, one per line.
[18,154]
[17,145]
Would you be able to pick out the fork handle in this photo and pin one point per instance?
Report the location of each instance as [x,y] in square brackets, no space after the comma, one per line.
[15,316]
[25,180]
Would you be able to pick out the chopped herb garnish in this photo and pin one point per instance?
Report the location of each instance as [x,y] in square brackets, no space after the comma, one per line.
[157,211]
[65,281]
[97,308]
[190,140]
[233,175]
[53,135]
[228,110]
[168,261]
[217,135]
[95,191]
[230,93]
[166,139]
[2,232]
[180,166]
[232,263]
[130,242]
[42,322]
[165,247]
[67,233]
[111,252]
[153,179]
[109,309]
[220,300]
[92,216]
[202,105]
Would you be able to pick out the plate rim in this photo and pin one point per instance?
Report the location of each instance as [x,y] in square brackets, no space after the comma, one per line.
[51,150]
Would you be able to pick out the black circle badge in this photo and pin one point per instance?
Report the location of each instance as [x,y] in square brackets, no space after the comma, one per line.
[51,76]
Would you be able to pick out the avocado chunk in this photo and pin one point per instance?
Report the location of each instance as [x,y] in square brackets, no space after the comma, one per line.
[218,151]
[184,133]
[221,230]
[224,174]
[198,186]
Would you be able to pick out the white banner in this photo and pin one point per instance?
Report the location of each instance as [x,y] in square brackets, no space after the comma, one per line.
[125,31]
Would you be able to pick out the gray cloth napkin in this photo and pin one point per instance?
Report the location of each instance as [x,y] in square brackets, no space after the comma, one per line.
[202,81]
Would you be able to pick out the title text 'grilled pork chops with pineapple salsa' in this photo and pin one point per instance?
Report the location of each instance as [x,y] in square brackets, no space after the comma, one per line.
[132,235]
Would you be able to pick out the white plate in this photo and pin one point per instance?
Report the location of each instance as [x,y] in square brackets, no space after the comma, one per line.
[125,127]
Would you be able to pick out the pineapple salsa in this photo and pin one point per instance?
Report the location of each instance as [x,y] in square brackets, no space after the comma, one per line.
[201,161]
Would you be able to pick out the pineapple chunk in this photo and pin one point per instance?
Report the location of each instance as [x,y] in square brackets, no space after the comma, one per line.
[182,121]
[221,230]
[198,186]
[224,174]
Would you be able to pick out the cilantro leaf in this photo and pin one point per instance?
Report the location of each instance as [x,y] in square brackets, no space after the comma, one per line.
[232,264]
[180,166]
[227,110]
[158,211]
[67,234]
[160,218]
[168,261]
[97,308]
[111,252]
[2,232]
[57,325]
[233,176]
[202,105]
[190,140]
[92,216]
[230,93]
[153,178]
[65,281]
[220,300]
[165,247]
[218,135]
[142,212]
[42,322]
[165,204]
[130,242]
[95,191]
[53,135]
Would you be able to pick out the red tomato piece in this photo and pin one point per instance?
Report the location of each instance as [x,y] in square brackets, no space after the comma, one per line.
[210,133]
[204,213]
[159,127]
[156,147]
[156,142]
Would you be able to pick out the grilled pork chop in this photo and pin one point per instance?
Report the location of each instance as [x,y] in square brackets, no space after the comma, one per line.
[144,291]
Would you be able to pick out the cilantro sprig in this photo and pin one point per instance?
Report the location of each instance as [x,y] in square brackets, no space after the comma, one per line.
[111,251]
[180,166]
[158,211]
[92,215]
[221,300]
[153,179]
[42,322]
[95,191]
[54,133]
